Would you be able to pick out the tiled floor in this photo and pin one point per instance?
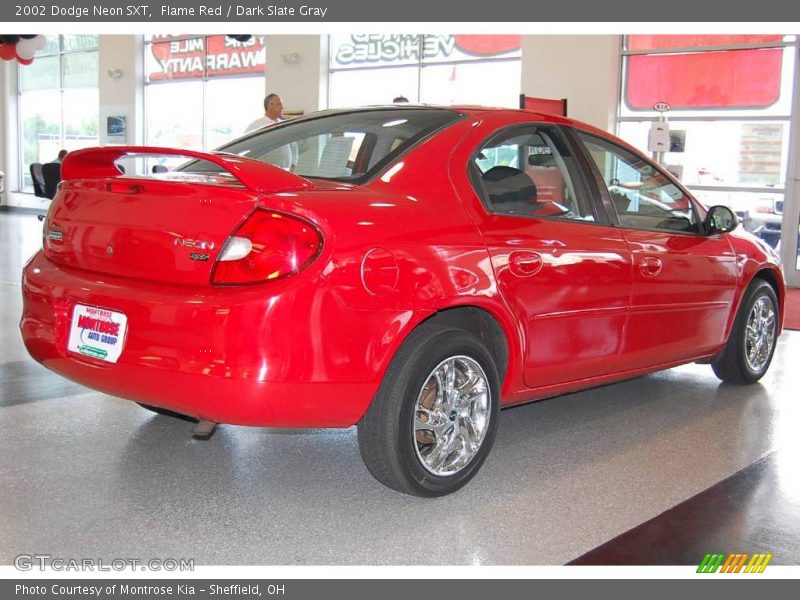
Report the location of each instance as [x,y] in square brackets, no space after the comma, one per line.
[85,474]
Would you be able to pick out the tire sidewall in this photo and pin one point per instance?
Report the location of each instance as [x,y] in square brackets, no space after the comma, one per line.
[443,346]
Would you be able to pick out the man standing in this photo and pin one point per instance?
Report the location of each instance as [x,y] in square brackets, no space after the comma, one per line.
[273,112]
[284,157]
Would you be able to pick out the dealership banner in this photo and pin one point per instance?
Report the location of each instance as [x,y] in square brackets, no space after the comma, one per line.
[171,57]
[387,589]
[362,11]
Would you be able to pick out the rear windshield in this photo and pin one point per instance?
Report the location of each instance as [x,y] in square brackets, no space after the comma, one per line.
[342,146]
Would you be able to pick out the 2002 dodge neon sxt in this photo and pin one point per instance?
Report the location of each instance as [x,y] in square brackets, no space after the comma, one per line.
[406,269]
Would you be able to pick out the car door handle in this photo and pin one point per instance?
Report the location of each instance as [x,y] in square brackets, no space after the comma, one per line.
[649,266]
[525,264]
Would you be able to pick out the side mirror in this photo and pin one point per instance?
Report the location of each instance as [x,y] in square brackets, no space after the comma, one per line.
[721,219]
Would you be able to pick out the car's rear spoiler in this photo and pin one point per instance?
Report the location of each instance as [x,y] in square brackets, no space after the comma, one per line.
[253,174]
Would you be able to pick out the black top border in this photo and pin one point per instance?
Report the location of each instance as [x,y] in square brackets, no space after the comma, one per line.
[392,11]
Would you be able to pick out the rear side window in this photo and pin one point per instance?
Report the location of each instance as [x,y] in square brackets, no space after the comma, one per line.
[529,171]
[349,146]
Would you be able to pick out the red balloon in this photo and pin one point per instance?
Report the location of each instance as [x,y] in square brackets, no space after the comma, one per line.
[8,51]
[24,61]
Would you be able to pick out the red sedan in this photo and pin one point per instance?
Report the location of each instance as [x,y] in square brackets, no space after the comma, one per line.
[410,270]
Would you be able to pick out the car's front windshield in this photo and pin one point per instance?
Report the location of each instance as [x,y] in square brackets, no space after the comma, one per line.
[345,146]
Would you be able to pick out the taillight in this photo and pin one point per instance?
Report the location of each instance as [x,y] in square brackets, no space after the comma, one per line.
[267,246]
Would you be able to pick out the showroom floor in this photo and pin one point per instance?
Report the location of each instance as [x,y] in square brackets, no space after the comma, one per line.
[87,475]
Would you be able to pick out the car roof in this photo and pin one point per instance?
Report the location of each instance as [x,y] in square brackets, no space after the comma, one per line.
[471,110]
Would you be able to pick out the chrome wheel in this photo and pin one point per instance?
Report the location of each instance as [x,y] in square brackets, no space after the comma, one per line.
[451,416]
[759,334]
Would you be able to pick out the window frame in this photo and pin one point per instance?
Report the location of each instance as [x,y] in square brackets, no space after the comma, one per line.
[625,115]
[602,189]
[719,112]
[60,89]
[578,176]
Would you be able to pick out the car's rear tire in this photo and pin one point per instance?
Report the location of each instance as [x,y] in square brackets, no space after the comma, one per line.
[434,418]
[751,345]
[166,412]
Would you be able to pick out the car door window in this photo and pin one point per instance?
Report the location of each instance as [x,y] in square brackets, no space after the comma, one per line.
[530,172]
[642,196]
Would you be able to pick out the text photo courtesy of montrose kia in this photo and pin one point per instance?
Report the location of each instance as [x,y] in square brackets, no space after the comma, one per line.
[419,269]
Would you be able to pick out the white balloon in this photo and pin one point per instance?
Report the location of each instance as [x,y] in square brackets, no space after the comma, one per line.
[40,42]
[26,48]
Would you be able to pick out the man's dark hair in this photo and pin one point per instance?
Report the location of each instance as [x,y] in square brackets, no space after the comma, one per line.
[62,154]
[400,100]
[268,99]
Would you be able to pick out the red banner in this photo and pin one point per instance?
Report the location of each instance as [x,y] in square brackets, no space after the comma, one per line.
[211,56]
[663,42]
[726,79]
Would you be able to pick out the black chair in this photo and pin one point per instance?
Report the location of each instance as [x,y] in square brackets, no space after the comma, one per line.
[510,190]
[38,180]
[52,177]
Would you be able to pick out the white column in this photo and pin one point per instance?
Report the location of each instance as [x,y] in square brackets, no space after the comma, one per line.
[584,69]
[4,162]
[297,70]
[791,204]
[120,83]
[9,139]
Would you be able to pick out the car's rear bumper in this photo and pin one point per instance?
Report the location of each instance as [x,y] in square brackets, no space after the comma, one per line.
[271,355]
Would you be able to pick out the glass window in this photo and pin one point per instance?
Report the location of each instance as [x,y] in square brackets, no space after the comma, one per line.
[41,74]
[642,196]
[374,50]
[482,83]
[730,100]
[759,213]
[78,42]
[80,70]
[527,172]
[431,68]
[365,87]
[175,116]
[232,104]
[40,130]
[350,146]
[721,153]
[201,91]
[455,48]
[58,101]
[737,82]
[743,79]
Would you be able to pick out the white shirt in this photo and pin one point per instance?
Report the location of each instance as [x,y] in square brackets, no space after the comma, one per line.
[261,122]
[284,157]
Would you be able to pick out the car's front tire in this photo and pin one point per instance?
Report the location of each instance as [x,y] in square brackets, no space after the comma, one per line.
[434,418]
[748,353]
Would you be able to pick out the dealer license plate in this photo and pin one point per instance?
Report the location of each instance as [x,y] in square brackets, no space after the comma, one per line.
[97,332]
